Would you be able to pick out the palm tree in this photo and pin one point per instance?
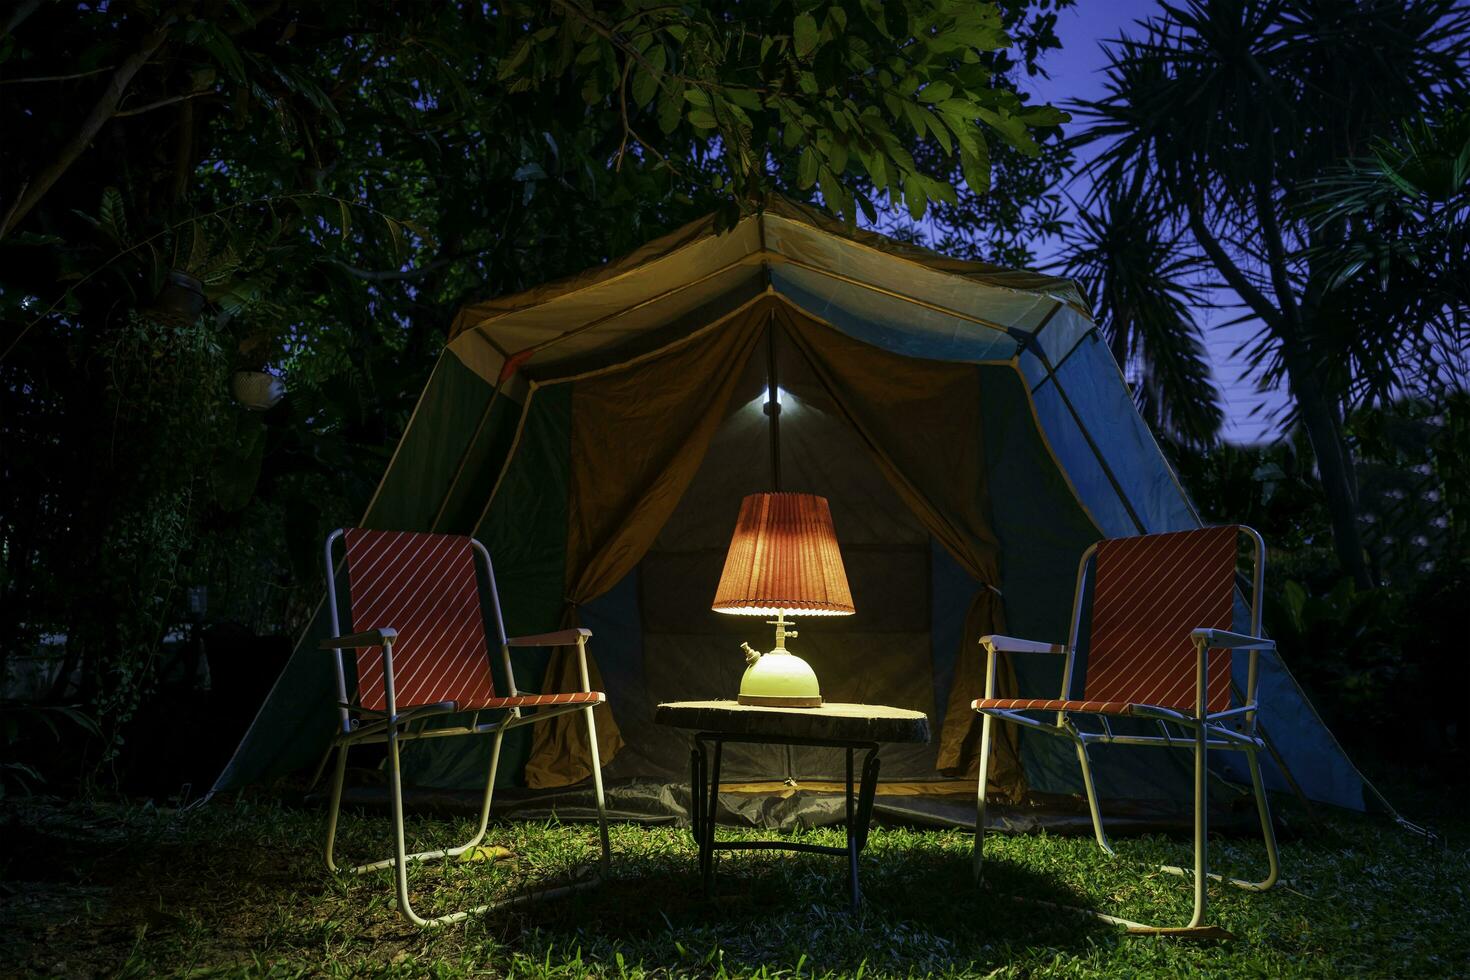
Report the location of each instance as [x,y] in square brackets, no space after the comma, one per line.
[1402,271]
[1142,285]
[1219,113]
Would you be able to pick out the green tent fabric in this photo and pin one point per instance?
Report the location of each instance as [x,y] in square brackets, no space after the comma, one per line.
[971,431]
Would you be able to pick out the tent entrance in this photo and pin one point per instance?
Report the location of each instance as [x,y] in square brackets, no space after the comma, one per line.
[885,653]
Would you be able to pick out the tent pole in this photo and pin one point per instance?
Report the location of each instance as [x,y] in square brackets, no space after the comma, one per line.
[773,404]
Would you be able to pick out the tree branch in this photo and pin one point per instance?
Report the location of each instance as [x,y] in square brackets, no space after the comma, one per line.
[1234,277]
[398,275]
[1276,254]
[102,111]
[171,100]
[56,78]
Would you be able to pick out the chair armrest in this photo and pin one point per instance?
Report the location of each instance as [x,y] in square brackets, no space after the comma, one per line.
[560,638]
[1010,644]
[356,641]
[1226,640]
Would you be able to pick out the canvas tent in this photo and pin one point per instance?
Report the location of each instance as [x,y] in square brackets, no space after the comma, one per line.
[970,429]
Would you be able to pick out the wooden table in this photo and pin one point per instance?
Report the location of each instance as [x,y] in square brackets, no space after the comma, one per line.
[851,727]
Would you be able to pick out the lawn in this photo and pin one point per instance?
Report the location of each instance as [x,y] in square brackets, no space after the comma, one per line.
[238,888]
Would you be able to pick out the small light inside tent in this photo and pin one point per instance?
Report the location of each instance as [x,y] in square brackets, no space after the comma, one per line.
[784,398]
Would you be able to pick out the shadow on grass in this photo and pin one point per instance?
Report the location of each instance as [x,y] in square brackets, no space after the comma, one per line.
[921,913]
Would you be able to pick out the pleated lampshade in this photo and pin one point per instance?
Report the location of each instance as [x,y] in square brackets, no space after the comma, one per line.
[783,558]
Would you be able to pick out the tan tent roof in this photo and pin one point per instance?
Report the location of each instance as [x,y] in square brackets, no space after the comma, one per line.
[696,271]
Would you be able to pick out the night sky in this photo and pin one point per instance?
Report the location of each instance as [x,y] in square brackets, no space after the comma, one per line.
[1076,73]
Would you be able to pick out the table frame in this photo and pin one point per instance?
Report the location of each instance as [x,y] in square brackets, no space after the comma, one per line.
[705,799]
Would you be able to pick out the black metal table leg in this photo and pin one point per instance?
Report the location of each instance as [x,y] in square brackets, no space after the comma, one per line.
[852,841]
[707,857]
[705,804]
[697,762]
[865,800]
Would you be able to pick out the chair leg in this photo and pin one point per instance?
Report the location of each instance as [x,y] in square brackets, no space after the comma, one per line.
[400,858]
[605,861]
[1092,804]
[334,808]
[485,803]
[978,857]
[473,841]
[1268,833]
[1201,826]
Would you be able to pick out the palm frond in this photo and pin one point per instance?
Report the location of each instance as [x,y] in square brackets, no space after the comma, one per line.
[1142,282]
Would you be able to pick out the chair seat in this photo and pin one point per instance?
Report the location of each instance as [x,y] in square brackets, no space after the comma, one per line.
[534,701]
[1045,704]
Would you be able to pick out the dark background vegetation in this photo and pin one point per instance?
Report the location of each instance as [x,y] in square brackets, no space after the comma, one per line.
[339,178]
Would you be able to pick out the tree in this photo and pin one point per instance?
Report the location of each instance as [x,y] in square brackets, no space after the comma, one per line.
[1140,280]
[1219,114]
[338,179]
[1401,270]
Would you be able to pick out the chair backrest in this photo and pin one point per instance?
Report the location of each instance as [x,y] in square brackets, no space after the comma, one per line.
[423,586]
[1150,592]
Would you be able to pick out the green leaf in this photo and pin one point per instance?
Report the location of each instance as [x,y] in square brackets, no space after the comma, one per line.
[221,48]
[806,169]
[1043,115]
[1011,129]
[975,166]
[645,86]
[837,157]
[941,133]
[703,119]
[670,107]
[517,58]
[111,217]
[914,196]
[395,235]
[805,34]
[833,193]
[745,98]
[936,92]
[346,215]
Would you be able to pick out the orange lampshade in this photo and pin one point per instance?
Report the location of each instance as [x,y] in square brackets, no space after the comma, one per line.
[783,558]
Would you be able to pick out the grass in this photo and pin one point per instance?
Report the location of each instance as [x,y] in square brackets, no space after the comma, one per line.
[239,889]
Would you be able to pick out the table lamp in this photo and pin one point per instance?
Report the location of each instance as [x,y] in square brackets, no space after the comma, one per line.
[783,561]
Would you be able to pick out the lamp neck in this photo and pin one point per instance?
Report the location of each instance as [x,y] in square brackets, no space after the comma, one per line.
[782,632]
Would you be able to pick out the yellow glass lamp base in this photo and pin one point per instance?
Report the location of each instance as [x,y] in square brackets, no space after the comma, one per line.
[779,679]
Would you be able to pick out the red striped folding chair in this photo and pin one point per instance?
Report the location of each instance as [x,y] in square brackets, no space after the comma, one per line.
[419,637]
[1159,649]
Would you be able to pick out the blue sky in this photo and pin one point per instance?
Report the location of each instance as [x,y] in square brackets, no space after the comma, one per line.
[1076,73]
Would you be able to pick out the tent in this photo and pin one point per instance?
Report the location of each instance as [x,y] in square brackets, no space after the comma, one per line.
[973,434]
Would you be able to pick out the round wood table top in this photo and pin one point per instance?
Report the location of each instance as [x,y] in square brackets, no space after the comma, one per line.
[833,720]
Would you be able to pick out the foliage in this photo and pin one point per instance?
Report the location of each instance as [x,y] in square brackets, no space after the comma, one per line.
[820,93]
[1217,116]
[1401,275]
[238,889]
[21,723]
[1140,280]
[342,178]
[1376,662]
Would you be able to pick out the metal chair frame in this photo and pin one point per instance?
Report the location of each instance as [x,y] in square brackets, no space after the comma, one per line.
[1232,730]
[360,725]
